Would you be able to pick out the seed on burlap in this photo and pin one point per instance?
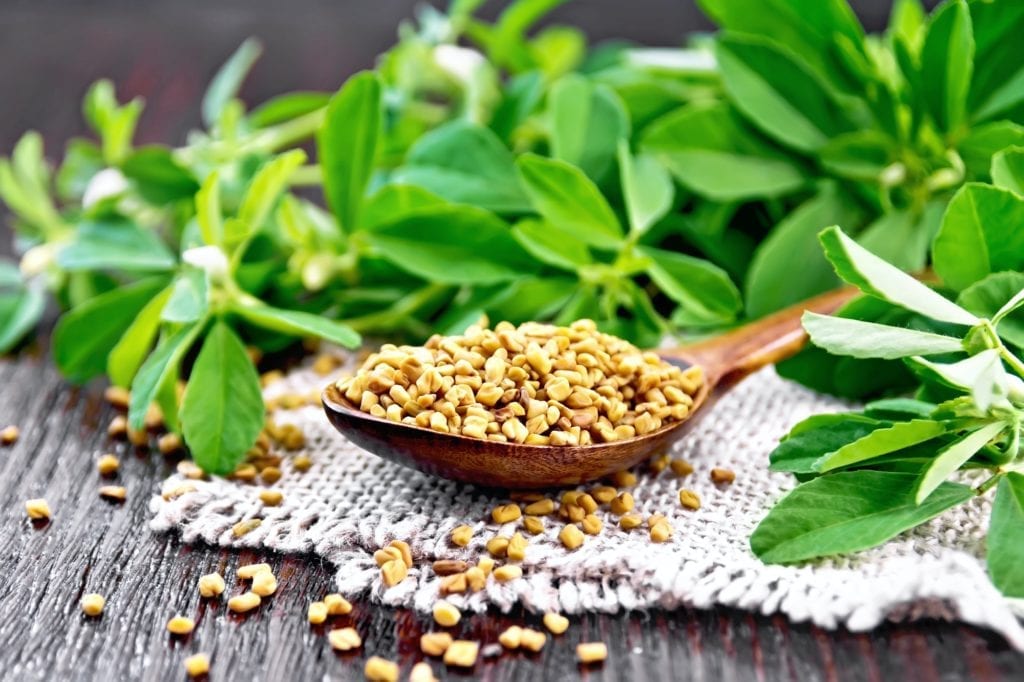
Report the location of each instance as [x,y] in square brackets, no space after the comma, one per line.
[454,584]
[404,551]
[476,579]
[247,526]
[302,463]
[680,467]
[661,532]
[604,494]
[462,535]
[534,525]
[445,614]
[630,521]
[498,546]
[571,536]
[723,476]
[591,524]
[505,513]
[516,550]
[588,503]
[624,479]
[394,572]
[507,573]
[386,554]
[540,507]
[485,564]
[271,498]
[689,499]
[622,503]
[444,567]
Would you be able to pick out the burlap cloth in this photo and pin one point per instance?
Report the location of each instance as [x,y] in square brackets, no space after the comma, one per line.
[351,503]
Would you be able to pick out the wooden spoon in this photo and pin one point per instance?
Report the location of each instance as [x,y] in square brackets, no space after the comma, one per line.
[726,359]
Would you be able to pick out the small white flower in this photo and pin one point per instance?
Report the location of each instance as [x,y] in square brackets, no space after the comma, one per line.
[459,62]
[212,259]
[38,259]
[108,182]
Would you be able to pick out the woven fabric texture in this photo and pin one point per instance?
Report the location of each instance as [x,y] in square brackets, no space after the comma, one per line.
[351,503]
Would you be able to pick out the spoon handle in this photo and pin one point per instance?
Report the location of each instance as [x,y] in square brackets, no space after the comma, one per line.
[732,356]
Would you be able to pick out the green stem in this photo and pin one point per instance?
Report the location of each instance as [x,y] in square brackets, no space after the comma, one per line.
[287,133]
[988,483]
[403,307]
[307,176]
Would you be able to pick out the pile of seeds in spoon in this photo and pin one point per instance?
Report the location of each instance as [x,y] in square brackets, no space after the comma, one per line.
[537,384]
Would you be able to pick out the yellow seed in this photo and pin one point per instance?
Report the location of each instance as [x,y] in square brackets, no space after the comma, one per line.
[246,601]
[504,574]
[689,499]
[574,512]
[118,427]
[462,653]
[435,643]
[454,584]
[680,467]
[658,463]
[506,513]
[622,504]
[169,443]
[512,637]
[476,579]
[138,438]
[498,546]
[271,498]
[344,639]
[197,665]
[654,519]
[462,535]
[556,623]
[249,571]
[571,536]
[393,572]
[211,585]
[723,476]
[630,521]
[337,605]
[177,491]
[379,669]
[382,556]
[107,465]
[445,614]
[117,493]
[540,507]
[270,474]
[247,526]
[317,612]
[569,496]
[624,479]
[117,396]
[516,550]
[591,524]
[588,503]
[244,472]
[661,532]
[404,551]
[9,434]
[264,583]
[604,494]
[533,525]
[37,509]
[189,470]
[302,463]
[324,364]
[180,625]
[485,564]
[421,672]
[92,604]
[591,652]
[532,640]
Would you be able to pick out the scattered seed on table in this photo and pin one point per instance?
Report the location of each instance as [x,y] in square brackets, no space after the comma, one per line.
[485,564]
[244,472]
[658,463]
[516,550]
[574,512]
[445,614]
[324,364]
[498,546]
[540,507]
[271,498]
[507,573]
[556,623]
[511,637]
[661,532]
[92,604]
[591,652]
[462,535]
[462,653]
[249,571]
[270,475]
[211,585]
[604,494]
[534,525]
[630,521]
[588,503]
[654,519]
[386,554]
[591,524]
[506,513]
[444,567]
[622,503]
[107,464]
[37,509]
[169,443]
[118,427]
[723,476]
[197,665]
[421,672]
[117,396]
[190,470]
[302,463]
[453,584]
[116,493]
[624,479]
[337,605]
[404,551]
[680,467]
[317,612]
[244,602]
[532,640]
[381,670]
[139,438]
[689,499]
[571,536]
[264,583]
[394,572]
[435,643]
[247,526]
[476,579]
[180,625]
[344,639]
[177,491]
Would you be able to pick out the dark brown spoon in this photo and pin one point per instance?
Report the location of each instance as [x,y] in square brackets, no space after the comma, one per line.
[726,360]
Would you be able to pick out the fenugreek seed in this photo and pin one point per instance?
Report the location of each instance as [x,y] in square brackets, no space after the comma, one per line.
[462,653]
[118,427]
[435,643]
[249,571]
[117,396]
[244,472]
[658,463]
[92,604]
[604,494]
[344,639]
[180,625]
[661,532]
[512,637]
[177,491]
[689,499]
[507,573]
[445,567]
[421,672]
[571,536]
[532,640]
[506,513]
[379,669]
[115,493]
[271,498]
[591,524]
[476,579]
[498,546]
[188,469]
[404,551]
[591,652]
[556,623]
[37,509]
[244,602]
[574,512]
[169,443]
[264,583]
[680,467]
[138,438]
[243,527]
[624,479]
[211,585]
[462,535]
[393,572]
[723,476]
[454,584]
[630,521]
[622,503]
[588,503]
[337,605]
[654,519]
[197,665]
[107,465]
[533,525]
[270,474]
[324,364]
[516,550]
[382,556]
[302,463]
[569,496]
[540,507]
[485,564]
[317,613]
[445,614]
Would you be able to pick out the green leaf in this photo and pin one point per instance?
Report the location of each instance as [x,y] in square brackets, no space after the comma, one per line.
[898,408]
[860,155]
[569,200]
[347,145]
[872,275]
[902,237]
[131,349]
[982,142]
[115,244]
[84,335]
[799,451]
[847,512]
[997,85]
[646,187]
[20,311]
[465,163]
[778,93]
[394,201]
[82,161]
[188,301]
[530,298]
[228,80]
[298,323]
[266,187]
[1005,538]
[1008,169]
[871,340]
[208,211]
[287,107]
[160,364]
[987,297]
[587,120]
[158,177]
[881,442]
[452,244]
[551,246]
[222,409]
[947,62]
[702,289]
[982,375]
[953,456]
[980,234]
[709,150]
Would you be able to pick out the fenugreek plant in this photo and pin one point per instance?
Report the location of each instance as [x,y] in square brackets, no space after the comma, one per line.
[889,463]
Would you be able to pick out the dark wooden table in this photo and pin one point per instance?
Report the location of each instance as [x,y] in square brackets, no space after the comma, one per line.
[50,51]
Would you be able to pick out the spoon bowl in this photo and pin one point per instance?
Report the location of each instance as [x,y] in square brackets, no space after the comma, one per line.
[725,359]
